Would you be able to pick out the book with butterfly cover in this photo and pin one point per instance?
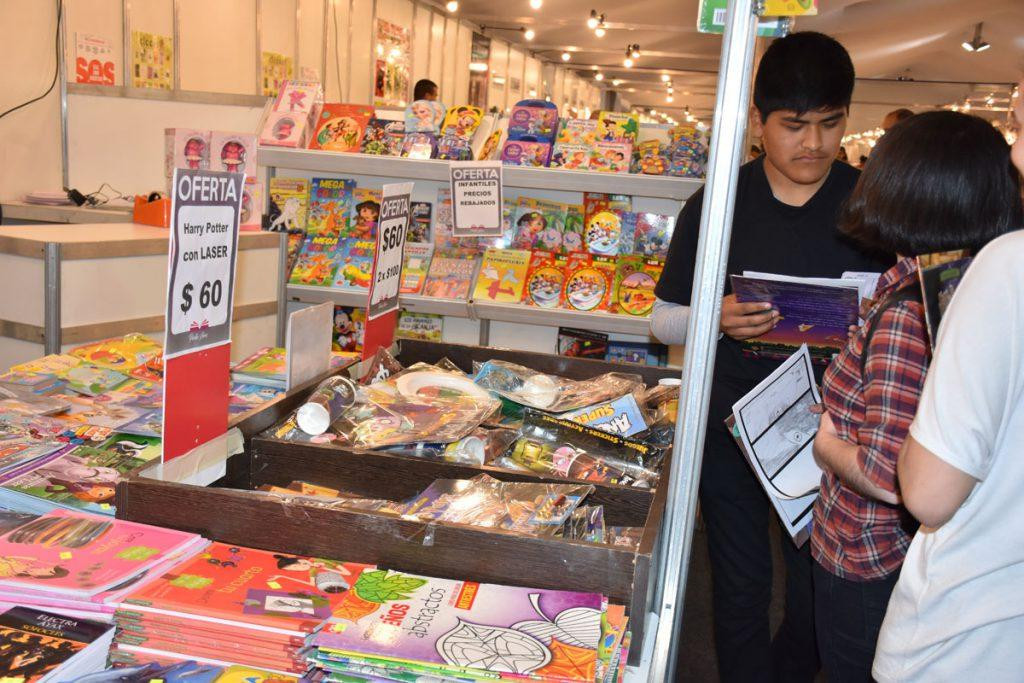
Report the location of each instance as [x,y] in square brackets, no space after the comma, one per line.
[455,628]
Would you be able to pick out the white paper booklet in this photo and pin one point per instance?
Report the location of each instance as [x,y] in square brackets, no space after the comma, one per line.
[776,429]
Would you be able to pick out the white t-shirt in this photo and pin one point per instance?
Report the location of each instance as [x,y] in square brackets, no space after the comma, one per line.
[957,612]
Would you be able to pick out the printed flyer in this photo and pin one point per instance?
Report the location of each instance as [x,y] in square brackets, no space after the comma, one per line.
[152,61]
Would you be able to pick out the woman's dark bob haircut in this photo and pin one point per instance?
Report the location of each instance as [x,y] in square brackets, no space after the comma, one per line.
[937,181]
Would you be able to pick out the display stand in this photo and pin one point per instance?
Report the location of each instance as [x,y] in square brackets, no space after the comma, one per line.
[17,213]
[436,549]
[70,285]
[662,194]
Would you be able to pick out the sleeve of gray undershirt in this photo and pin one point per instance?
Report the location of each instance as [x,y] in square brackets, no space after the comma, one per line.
[669,322]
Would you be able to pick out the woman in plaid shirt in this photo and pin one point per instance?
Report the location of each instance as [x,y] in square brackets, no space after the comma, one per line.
[933,184]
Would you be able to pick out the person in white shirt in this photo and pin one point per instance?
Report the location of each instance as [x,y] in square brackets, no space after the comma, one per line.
[957,611]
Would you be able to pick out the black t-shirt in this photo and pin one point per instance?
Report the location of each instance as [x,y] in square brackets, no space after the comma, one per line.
[771,237]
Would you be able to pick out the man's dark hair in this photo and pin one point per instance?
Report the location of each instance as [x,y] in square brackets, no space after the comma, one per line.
[938,181]
[901,114]
[423,88]
[805,71]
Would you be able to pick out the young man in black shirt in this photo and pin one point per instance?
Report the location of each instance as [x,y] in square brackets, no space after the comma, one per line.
[787,203]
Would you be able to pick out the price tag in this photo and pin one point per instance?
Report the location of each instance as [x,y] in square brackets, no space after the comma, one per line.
[387,262]
[476,198]
[204,242]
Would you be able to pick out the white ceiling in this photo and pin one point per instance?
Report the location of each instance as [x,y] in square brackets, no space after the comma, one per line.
[888,40]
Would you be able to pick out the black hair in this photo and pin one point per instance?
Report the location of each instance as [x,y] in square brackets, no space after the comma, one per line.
[285,561]
[805,71]
[423,88]
[368,204]
[938,181]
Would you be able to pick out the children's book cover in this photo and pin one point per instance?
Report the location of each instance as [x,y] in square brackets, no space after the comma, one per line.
[330,206]
[462,121]
[502,275]
[81,554]
[602,230]
[457,627]
[638,353]
[419,145]
[383,137]
[93,381]
[53,364]
[419,222]
[267,363]
[451,147]
[354,263]
[617,127]
[424,116]
[653,235]
[572,234]
[365,213]
[36,642]
[416,266]
[340,127]
[544,280]
[611,157]
[288,594]
[251,215]
[85,477]
[451,273]
[244,397]
[120,353]
[482,135]
[577,132]
[572,157]
[550,239]
[528,222]
[588,282]
[289,203]
[524,153]
[316,263]
[582,343]
[423,326]
[635,279]
[490,148]
[349,325]
[298,97]
[539,123]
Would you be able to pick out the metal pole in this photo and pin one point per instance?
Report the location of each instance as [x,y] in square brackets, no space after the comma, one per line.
[51,298]
[731,111]
[62,70]
[282,288]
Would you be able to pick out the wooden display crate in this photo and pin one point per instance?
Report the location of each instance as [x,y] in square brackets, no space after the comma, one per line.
[243,517]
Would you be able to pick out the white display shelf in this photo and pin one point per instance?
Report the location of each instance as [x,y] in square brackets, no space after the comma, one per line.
[483,310]
[557,317]
[636,185]
[311,294]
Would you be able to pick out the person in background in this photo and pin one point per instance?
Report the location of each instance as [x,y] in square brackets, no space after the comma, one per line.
[894,117]
[916,198]
[755,152]
[425,89]
[862,162]
[841,155]
[957,612]
[787,202]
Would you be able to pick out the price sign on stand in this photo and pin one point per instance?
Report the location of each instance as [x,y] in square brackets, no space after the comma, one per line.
[476,198]
[205,209]
[382,303]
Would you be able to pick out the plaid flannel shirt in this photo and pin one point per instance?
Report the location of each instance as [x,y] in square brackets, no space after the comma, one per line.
[854,537]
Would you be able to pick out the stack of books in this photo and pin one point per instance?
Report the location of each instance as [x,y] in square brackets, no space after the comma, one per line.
[393,625]
[265,368]
[83,564]
[233,606]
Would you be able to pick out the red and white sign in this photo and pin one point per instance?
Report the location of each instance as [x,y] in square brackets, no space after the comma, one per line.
[94,60]
[382,303]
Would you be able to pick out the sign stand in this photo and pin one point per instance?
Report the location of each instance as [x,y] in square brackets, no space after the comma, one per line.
[382,302]
[200,298]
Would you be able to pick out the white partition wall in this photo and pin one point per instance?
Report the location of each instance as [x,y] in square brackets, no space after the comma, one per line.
[312,26]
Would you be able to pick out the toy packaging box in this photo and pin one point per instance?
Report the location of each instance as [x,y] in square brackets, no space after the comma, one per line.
[185,148]
[502,275]
[252,205]
[330,206]
[284,129]
[289,203]
[545,280]
[526,153]
[383,137]
[233,152]
[340,127]
[589,279]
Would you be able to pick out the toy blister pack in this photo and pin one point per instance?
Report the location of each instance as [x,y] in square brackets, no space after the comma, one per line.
[233,152]
[553,446]
[551,392]
[285,129]
[624,416]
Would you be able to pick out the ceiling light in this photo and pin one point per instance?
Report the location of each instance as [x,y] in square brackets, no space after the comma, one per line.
[634,51]
[627,62]
[669,90]
[533,93]
[452,6]
[669,98]
[599,31]
[479,67]
[967,106]
[592,20]
[666,78]
[529,34]
[975,44]
[599,76]
[566,56]
[536,4]
[616,82]
[654,112]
